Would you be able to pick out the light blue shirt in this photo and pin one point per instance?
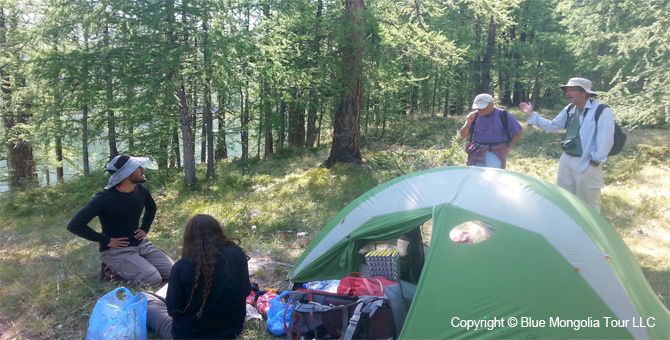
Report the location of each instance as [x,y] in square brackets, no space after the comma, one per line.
[597,139]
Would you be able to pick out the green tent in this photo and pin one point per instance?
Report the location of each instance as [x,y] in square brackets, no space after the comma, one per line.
[549,266]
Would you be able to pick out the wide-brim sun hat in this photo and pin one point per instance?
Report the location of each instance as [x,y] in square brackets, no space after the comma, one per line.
[482,101]
[121,167]
[580,82]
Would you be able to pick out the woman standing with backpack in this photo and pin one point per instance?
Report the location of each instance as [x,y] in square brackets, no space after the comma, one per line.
[206,294]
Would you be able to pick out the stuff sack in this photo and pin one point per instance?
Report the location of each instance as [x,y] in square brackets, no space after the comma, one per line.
[263,301]
[360,285]
[113,318]
[278,313]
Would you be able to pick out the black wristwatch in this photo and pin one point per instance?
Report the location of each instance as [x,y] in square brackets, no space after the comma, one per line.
[594,162]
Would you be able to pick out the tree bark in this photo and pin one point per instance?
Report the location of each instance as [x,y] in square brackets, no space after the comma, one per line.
[221,151]
[296,121]
[313,98]
[346,135]
[267,127]
[20,159]
[488,58]
[445,111]
[84,140]
[244,122]
[536,87]
[208,124]
[109,96]
[186,136]
[84,113]
[175,159]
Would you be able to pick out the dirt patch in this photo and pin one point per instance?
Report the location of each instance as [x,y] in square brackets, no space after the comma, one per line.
[7,331]
[267,272]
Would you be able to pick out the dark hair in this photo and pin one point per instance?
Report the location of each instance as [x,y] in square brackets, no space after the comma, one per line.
[203,236]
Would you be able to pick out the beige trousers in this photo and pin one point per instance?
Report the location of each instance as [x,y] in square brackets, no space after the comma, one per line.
[586,185]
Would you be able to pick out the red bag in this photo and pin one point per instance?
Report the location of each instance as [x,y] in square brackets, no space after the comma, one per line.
[263,302]
[251,299]
[361,285]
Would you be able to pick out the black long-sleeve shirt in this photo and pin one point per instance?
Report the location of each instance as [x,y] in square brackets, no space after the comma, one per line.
[224,312]
[119,214]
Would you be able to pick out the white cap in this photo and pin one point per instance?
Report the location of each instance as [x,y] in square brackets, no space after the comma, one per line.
[482,101]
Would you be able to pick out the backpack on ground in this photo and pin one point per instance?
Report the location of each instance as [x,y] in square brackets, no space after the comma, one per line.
[619,135]
[323,315]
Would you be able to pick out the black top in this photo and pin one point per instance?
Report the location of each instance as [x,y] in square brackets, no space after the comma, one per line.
[119,214]
[224,312]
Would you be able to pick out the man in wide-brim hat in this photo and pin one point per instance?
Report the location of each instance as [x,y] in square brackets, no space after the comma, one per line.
[587,142]
[123,244]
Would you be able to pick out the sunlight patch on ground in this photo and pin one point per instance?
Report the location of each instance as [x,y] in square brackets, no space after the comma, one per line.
[643,217]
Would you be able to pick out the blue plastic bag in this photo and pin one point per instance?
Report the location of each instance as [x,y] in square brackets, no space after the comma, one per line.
[113,318]
[276,319]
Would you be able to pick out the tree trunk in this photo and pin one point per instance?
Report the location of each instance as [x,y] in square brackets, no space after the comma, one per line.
[519,94]
[84,111]
[346,135]
[296,121]
[536,87]
[209,130]
[59,158]
[282,124]
[209,124]
[20,160]
[311,119]
[267,112]
[84,140]
[109,96]
[433,99]
[175,159]
[488,58]
[445,111]
[244,122]
[186,136]
[221,151]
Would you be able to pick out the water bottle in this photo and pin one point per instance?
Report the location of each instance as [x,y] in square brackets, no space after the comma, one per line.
[313,285]
[329,286]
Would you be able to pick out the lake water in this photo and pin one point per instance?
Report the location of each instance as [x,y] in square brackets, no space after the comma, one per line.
[98,159]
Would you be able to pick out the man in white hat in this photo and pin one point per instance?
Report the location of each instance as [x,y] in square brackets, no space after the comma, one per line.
[586,144]
[123,246]
[493,133]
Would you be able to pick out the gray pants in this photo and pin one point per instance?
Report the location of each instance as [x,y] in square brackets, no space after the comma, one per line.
[158,319]
[143,264]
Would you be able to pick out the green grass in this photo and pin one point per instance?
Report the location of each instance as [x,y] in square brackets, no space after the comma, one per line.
[49,277]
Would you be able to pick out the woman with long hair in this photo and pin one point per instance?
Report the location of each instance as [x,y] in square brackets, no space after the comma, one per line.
[207,290]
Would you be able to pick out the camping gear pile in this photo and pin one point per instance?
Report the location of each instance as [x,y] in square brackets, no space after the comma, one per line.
[358,307]
[355,307]
[546,258]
